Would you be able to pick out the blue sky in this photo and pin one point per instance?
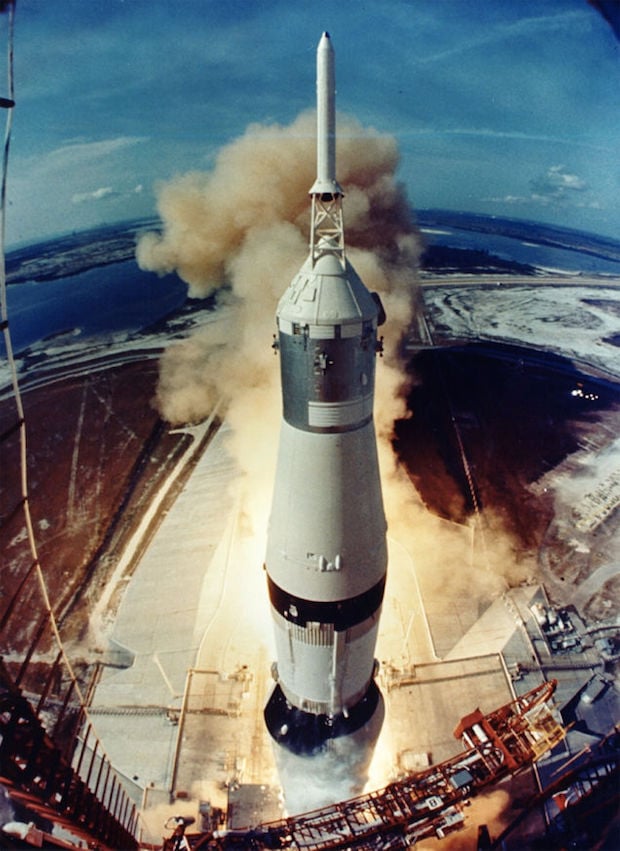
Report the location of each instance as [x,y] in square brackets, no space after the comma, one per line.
[509,107]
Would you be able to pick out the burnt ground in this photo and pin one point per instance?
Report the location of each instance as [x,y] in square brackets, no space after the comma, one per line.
[516,420]
[512,412]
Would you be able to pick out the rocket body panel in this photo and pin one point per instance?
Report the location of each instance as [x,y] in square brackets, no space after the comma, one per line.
[326,539]
[327,383]
[306,654]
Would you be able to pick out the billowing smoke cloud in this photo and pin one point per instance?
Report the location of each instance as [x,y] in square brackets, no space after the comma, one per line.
[242,229]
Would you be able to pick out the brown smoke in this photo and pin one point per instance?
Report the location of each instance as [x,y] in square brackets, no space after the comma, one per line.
[242,230]
[491,809]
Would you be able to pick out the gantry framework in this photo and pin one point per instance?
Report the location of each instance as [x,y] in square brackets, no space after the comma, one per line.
[427,803]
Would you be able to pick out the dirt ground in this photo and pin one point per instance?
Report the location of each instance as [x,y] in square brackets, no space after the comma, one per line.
[97,449]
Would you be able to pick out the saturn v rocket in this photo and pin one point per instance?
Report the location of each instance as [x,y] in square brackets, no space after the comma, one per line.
[326,553]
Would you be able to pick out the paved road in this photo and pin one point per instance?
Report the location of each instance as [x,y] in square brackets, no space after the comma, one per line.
[518,280]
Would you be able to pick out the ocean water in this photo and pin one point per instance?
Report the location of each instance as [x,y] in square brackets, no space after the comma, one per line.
[108,299]
[521,250]
[120,297]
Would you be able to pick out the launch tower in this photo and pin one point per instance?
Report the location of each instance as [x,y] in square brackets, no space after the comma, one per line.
[326,548]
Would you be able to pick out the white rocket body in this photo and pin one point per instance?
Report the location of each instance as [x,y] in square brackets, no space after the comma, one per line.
[326,548]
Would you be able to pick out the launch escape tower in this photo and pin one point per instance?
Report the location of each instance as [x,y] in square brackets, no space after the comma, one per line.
[326,550]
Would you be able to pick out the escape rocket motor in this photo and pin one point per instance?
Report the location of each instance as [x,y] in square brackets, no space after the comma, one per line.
[326,545]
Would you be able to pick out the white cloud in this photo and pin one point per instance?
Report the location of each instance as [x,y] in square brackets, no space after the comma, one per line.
[80,153]
[509,199]
[556,184]
[545,201]
[532,27]
[95,195]
[105,192]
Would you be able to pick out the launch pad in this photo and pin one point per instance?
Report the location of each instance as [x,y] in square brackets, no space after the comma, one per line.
[184,735]
[190,640]
[193,591]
